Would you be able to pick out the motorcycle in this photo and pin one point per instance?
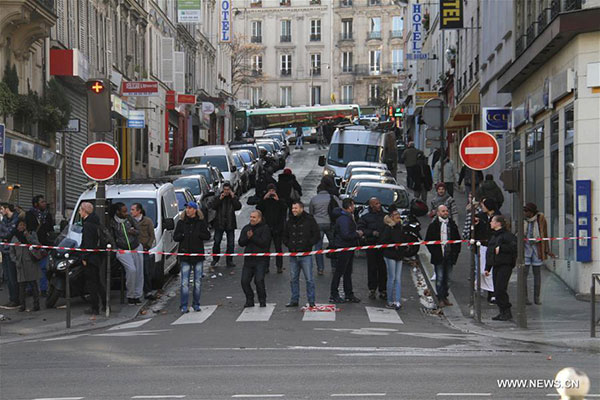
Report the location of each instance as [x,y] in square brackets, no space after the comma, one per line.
[412,226]
[58,261]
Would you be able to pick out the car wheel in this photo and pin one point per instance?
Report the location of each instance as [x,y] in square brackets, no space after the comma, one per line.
[53,296]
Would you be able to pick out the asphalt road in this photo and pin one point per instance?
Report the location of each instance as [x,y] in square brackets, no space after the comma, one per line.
[282,352]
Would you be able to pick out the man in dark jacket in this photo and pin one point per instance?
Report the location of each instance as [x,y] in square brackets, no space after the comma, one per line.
[287,183]
[483,233]
[90,239]
[274,212]
[345,235]
[466,174]
[8,226]
[301,233]
[409,156]
[225,204]
[41,221]
[490,190]
[256,238]
[443,256]
[372,225]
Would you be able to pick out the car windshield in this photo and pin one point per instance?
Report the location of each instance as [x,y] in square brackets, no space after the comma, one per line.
[192,184]
[353,167]
[246,156]
[205,172]
[217,161]
[245,147]
[180,200]
[277,136]
[149,206]
[237,162]
[267,146]
[387,196]
[277,145]
[353,182]
[340,154]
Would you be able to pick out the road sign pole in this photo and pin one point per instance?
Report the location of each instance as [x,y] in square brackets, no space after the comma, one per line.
[473,246]
[521,278]
[442,137]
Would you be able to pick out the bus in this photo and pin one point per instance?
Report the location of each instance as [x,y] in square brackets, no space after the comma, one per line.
[260,119]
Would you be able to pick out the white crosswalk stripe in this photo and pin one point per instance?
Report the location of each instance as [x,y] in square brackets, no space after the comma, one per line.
[130,325]
[194,317]
[313,316]
[257,314]
[383,315]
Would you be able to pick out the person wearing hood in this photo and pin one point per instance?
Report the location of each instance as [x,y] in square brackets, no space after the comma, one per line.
[90,239]
[443,198]
[536,252]
[490,190]
[483,233]
[300,234]
[500,260]
[372,225]
[28,270]
[393,256]
[256,238]
[191,232]
[321,207]
[126,233]
[449,174]
[275,211]
[8,226]
[288,188]
[443,256]
[345,235]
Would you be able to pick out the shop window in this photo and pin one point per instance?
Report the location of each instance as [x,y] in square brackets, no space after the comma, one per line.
[569,184]
[554,130]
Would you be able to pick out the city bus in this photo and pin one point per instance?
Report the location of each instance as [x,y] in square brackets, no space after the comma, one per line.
[259,119]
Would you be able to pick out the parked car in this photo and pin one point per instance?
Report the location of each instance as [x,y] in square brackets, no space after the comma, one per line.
[270,148]
[199,188]
[243,170]
[213,175]
[360,164]
[356,179]
[370,171]
[250,161]
[388,194]
[279,135]
[184,196]
[218,156]
[246,144]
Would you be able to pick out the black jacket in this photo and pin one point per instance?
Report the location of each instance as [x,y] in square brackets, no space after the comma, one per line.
[125,239]
[90,239]
[451,251]
[370,223]
[466,175]
[285,185]
[393,233]
[274,213]
[345,232]
[490,190]
[422,177]
[191,234]
[226,208]
[44,229]
[483,231]
[301,233]
[259,243]
[507,255]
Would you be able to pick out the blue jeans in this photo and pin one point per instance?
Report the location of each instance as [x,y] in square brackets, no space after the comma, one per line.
[325,230]
[296,264]
[186,269]
[299,141]
[394,280]
[230,244]
[44,280]
[442,276]
[10,277]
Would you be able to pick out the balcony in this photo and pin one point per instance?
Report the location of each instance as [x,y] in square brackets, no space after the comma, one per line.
[315,37]
[257,72]
[346,36]
[373,2]
[316,71]
[285,3]
[347,69]
[530,34]
[376,70]
[256,39]
[285,38]
[345,3]
[256,4]
[396,34]
[376,35]
[286,72]
[520,45]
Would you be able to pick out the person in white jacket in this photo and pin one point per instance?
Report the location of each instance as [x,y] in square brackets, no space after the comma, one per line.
[449,174]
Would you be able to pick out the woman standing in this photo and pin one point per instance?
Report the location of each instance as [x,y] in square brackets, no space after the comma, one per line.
[28,270]
[191,232]
[393,257]
[501,255]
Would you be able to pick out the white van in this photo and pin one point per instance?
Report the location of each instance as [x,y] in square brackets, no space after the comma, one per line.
[217,156]
[159,202]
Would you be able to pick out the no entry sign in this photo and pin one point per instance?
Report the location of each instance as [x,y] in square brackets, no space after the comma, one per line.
[100,161]
[479,150]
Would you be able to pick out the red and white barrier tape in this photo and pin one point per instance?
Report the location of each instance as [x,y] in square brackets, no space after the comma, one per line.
[287,254]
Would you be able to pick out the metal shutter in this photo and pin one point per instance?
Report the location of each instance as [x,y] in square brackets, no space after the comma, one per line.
[22,172]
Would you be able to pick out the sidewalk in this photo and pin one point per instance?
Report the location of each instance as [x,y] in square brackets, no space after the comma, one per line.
[561,319]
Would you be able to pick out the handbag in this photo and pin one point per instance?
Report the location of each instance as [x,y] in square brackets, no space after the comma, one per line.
[294,195]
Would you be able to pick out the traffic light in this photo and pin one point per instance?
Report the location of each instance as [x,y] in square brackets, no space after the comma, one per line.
[399,112]
[98,105]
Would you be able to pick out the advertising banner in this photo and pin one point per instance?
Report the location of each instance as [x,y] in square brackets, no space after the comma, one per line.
[189,11]
[133,88]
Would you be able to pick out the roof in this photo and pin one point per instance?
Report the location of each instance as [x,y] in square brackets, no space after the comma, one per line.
[141,190]
[207,150]
[366,164]
[358,135]
[358,170]
[370,177]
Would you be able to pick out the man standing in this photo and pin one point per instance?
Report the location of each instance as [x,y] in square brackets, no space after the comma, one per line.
[40,221]
[301,233]
[256,238]
[91,261]
[299,137]
[147,239]
[422,178]
[535,227]
[372,225]
[225,204]
[443,256]
[321,207]
[8,226]
[126,233]
[466,174]
[345,235]
[449,174]
[483,233]
[409,156]
[274,211]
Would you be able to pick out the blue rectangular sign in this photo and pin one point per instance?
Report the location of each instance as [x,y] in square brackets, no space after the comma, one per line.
[137,119]
[496,119]
[1,140]
[583,202]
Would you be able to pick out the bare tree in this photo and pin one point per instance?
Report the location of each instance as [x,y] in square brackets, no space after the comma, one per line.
[242,73]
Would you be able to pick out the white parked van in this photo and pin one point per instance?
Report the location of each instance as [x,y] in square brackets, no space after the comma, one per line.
[217,156]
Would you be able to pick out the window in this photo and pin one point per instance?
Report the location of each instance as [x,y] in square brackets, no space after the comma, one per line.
[347,94]
[286,30]
[256,95]
[374,2]
[346,29]
[375,28]
[257,64]
[315,64]
[286,64]
[569,185]
[346,3]
[397,61]
[373,92]
[315,30]
[397,26]
[347,61]
[286,3]
[286,96]
[397,93]
[554,130]
[315,95]
[256,32]
[375,62]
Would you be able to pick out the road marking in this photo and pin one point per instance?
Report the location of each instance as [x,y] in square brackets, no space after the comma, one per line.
[358,394]
[313,316]
[479,150]
[129,325]
[465,394]
[257,314]
[194,317]
[166,396]
[383,315]
[132,333]
[100,161]
[60,398]
[65,337]
[250,396]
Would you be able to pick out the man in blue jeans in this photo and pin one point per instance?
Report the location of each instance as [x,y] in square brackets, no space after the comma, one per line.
[225,204]
[8,225]
[300,234]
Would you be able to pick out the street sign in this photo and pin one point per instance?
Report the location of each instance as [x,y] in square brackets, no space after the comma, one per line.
[186,99]
[134,88]
[435,112]
[137,119]
[479,150]
[100,161]
[1,141]
[422,97]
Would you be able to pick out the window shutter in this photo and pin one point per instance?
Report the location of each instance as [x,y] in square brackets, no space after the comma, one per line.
[167,45]
[61,21]
[179,78]
[83,26]
[109,44]
[93,49]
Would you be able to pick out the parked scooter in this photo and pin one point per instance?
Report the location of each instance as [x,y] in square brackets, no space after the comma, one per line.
[412,226]
[58,261]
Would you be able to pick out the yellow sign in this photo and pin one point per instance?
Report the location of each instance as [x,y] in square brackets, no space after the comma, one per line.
[422,97]
[452,14]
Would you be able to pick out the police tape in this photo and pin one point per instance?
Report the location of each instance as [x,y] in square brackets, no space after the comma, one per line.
[286,254]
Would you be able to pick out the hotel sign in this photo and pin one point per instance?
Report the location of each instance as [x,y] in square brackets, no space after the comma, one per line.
[451,14]
[225,26]
[417,34]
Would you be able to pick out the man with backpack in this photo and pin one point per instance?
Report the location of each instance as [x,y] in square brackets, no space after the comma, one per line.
[321,207]
[91,261]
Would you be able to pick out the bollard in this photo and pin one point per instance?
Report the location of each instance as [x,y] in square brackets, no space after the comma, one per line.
[68,292]
[108,275]
[572,384]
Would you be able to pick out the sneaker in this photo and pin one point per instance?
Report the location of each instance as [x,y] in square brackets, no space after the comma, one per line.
[492,301]
[292,304]
[398,306]
[390,305]
[131,301]
[352,299]
[197,308]
[336,300]
[372,294]
[311,305]
[184,310]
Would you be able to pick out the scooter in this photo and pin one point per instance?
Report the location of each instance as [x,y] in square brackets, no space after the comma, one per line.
[412,226]
[58,261]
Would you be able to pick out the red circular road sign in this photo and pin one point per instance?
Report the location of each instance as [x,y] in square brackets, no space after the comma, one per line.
[100,161]
[479,150]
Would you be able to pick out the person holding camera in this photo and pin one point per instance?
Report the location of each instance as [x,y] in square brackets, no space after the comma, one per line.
[225,204]
[274,212]
[256,238]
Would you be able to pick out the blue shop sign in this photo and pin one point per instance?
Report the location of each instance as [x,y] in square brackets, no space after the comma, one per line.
[496,119]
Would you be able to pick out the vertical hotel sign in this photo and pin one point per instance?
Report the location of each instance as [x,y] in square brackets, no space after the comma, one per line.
[417,34]
[225,26]
[451,12]
[189,11]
